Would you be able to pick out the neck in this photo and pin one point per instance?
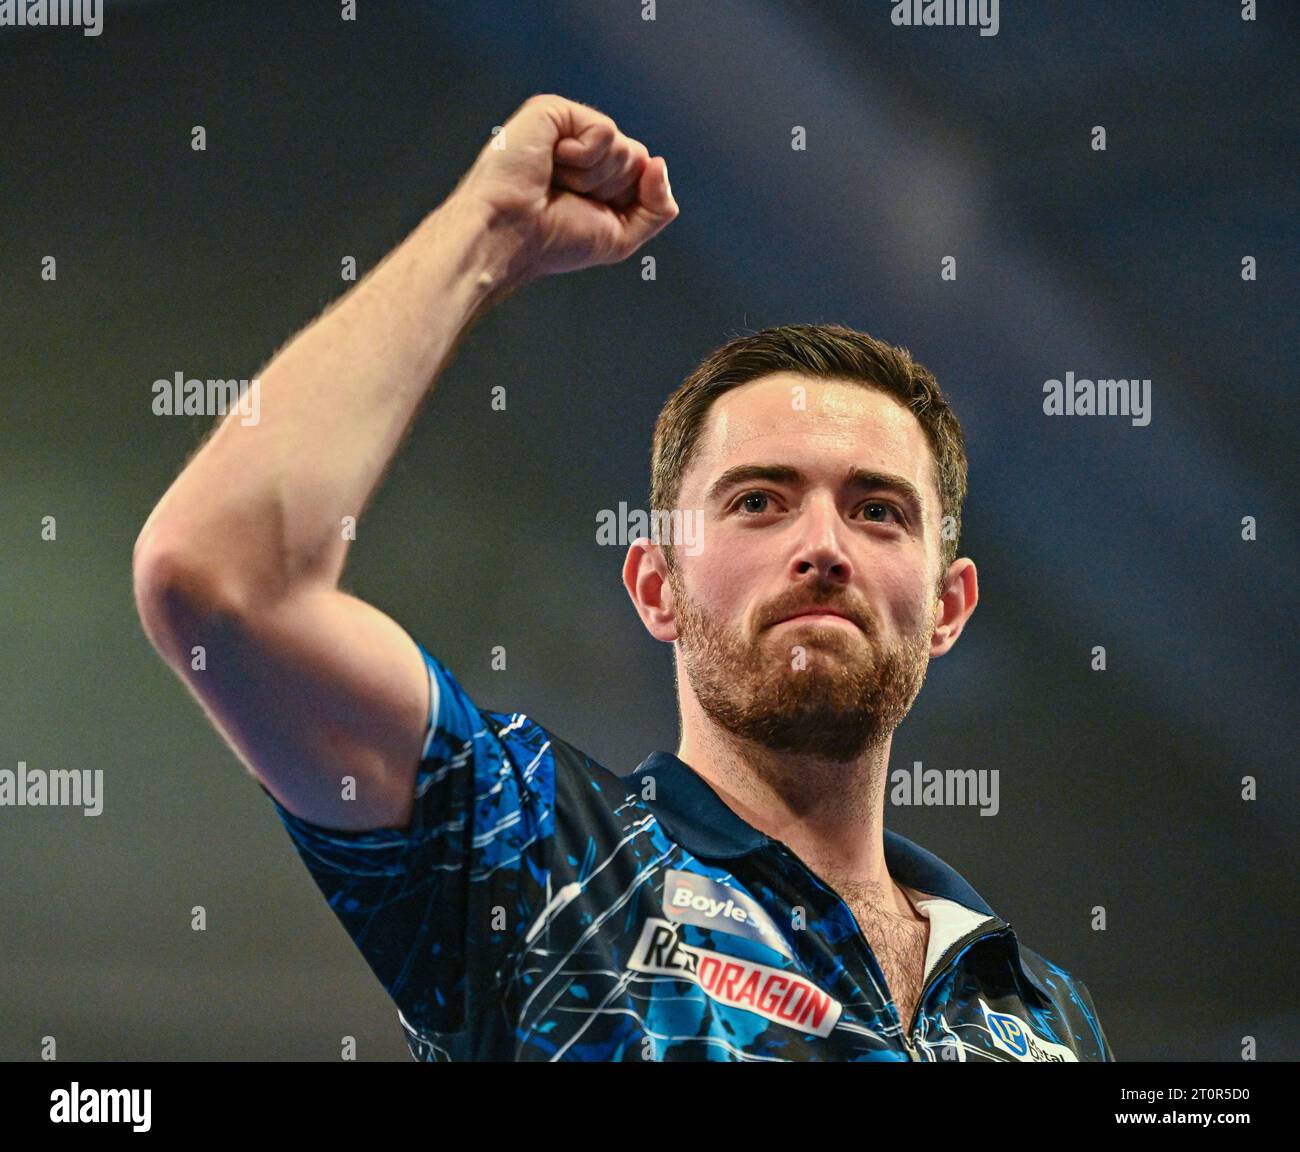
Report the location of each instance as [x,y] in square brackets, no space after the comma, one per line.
[830,814]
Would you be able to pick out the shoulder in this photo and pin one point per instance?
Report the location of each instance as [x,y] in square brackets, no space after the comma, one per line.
[1070,997]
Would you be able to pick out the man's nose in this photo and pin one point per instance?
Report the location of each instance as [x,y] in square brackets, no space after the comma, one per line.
[821,547]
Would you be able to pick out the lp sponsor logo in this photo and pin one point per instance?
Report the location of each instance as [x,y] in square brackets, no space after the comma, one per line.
[1014,1036]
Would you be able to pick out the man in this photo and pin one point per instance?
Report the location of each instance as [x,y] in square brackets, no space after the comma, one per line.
[739,900]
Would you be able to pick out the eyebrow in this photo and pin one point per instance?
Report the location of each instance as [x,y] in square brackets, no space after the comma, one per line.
[862,479]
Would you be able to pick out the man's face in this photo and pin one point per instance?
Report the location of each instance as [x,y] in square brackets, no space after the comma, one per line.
[817,496]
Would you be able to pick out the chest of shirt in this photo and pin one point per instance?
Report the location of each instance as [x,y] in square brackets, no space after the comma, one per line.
[639,950]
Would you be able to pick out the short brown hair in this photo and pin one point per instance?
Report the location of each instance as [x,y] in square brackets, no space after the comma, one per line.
[828,351]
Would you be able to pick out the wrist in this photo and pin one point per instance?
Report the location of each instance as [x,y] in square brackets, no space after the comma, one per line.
[495,256]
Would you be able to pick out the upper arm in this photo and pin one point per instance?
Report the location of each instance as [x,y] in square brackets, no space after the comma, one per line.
[425,904]
[453,818]
[324,697]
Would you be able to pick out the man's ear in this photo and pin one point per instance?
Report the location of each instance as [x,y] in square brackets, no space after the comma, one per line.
[645,576]
[961,592]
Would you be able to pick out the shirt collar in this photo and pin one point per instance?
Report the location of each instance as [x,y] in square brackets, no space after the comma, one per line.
[698,819]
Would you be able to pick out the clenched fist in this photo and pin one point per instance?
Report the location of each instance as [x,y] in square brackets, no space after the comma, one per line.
[570,186]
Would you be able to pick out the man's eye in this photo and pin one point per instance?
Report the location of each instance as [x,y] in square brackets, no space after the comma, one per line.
[872,507]
[747,502]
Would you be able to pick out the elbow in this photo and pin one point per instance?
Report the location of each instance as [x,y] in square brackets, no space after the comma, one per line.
[180,597]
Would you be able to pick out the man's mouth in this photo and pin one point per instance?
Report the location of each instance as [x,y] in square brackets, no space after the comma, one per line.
[820,616]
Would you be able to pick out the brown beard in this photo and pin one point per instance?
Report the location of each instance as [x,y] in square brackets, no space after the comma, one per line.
[847,698]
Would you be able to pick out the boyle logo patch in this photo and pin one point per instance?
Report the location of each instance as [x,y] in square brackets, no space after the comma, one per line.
[702,901]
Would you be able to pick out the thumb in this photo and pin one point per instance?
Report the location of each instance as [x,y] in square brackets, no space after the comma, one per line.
[655,207]
[669,203]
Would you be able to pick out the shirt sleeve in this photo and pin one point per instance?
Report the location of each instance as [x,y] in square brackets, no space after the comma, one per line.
[1106,1052]
[437,905]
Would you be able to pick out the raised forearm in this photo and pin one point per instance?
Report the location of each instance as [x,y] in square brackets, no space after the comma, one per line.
[264,504]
